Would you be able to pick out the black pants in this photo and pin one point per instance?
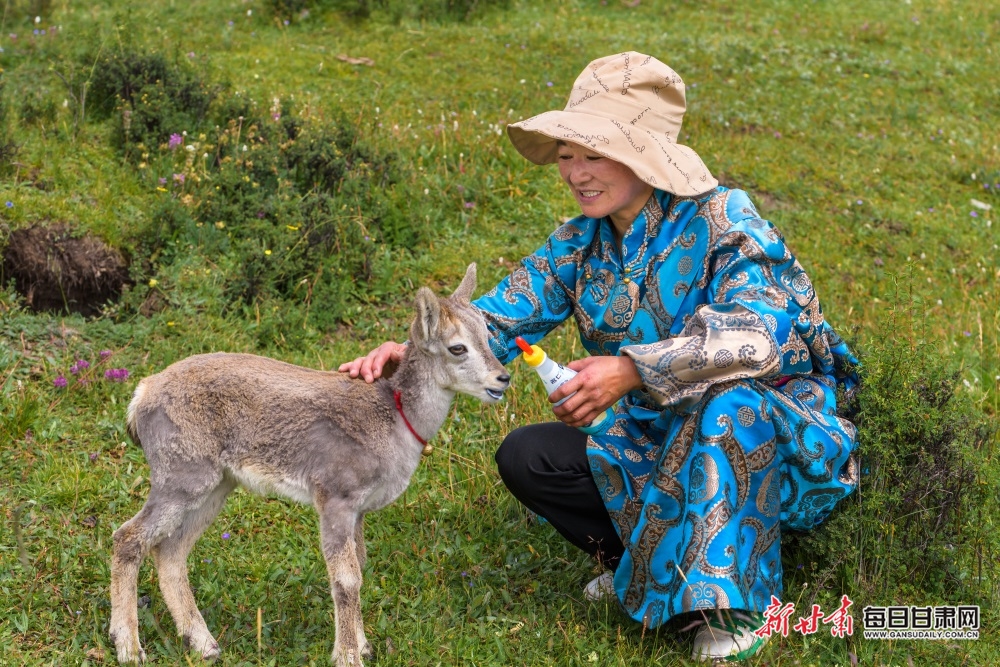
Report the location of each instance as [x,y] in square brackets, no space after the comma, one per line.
[545,466]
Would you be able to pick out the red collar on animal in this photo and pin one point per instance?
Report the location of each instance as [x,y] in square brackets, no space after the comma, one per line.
[399,409]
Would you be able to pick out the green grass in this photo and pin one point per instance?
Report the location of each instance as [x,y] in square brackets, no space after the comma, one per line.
[862,129]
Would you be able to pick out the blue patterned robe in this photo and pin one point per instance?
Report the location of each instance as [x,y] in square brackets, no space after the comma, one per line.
[734,435]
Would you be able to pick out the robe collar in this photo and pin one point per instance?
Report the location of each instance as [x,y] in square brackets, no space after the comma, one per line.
[643,229]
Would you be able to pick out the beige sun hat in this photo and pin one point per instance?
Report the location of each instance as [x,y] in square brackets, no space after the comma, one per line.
[627,107]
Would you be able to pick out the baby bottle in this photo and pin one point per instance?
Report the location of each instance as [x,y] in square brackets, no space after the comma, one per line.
[553,376]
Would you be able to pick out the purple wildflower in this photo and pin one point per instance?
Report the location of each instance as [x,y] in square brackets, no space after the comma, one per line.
[105,354]
[548,83]
[163,181]
[60,382]
[470,204]
[179,178]
[10,204]
[116,374]
[973,214]
[175,141]
[966,333]
[225,536]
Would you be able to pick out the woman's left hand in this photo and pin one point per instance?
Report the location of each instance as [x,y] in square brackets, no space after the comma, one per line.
[599,383]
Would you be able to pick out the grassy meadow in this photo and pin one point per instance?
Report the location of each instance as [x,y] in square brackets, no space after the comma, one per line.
[281,175]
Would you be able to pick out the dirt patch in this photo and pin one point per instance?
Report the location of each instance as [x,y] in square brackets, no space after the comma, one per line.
[56,271]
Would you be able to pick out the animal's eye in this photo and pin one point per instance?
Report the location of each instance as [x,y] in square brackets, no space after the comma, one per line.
[457,350]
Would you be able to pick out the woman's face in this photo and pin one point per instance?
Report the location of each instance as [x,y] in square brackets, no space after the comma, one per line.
[602,186]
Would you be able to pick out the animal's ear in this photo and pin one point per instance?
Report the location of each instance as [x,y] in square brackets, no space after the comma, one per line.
[428,314]
[468,285]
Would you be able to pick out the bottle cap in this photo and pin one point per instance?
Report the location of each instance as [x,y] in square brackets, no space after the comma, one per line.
[533,355]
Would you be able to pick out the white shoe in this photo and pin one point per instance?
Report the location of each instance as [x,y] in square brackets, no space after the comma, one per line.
[729,638]
[600,587]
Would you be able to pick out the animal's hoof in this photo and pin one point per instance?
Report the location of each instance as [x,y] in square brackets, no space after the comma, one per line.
[367,651]
[131,655]
[203,643]
[211,652]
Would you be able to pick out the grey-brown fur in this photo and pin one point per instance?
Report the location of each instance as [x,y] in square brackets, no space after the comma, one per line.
[213,421]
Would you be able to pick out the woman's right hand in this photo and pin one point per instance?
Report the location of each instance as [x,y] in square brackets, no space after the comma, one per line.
[370,366]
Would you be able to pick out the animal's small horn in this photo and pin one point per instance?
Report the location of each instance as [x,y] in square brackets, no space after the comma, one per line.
[468,285]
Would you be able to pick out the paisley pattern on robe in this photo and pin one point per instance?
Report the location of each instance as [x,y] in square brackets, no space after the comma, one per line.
[734,436]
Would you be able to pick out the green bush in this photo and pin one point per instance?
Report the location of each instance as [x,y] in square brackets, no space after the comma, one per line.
[151,96]
[303,205]
[916,531]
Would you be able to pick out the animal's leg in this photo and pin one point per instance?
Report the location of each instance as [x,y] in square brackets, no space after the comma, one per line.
[132,541]
[171,566]
[359,545]
[338,524]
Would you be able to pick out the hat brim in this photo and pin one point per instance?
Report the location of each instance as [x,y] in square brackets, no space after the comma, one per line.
[659,161]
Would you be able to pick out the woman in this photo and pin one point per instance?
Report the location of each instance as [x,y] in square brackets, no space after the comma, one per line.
[708,342]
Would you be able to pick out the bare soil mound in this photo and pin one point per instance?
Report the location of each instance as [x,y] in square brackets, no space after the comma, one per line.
[56,271]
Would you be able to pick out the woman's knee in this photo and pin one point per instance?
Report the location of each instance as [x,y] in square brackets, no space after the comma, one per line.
[533,453]
[513,454]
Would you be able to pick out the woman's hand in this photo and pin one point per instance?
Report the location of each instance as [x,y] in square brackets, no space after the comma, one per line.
[371,365]
[599,383]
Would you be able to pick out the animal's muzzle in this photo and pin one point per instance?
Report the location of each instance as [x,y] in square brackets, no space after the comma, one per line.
[497,394]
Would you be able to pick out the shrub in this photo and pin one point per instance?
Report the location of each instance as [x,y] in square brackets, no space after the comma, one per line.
[304,205]
[916,530]
[152,96]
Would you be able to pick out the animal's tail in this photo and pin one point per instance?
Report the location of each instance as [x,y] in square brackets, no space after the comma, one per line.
[130,418]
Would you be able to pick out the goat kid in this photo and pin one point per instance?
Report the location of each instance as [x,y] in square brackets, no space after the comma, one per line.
[211,422]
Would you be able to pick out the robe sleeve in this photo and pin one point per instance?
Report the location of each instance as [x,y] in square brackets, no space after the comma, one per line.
[532,301]
[761,310]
